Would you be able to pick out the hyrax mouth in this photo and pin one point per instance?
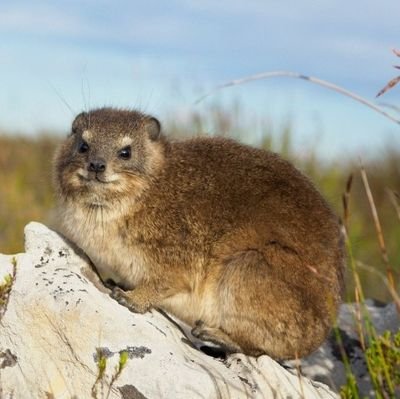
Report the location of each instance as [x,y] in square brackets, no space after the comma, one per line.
[94,177]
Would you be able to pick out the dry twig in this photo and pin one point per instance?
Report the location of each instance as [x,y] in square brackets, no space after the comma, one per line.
[392,291]
[394,199]
[320,82]
[391,106]
[378,228]
[393,82]
[346,203]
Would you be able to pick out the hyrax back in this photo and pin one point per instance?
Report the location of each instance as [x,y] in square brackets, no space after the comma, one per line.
[233,240]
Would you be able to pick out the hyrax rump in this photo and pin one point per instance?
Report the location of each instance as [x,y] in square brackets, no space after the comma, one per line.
[231,239]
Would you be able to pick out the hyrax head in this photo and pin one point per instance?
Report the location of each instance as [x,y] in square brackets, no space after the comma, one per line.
[109,156]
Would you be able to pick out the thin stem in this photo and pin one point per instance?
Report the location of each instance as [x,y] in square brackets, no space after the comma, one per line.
[392,291]
[312,79]
[378,228]
[391,106]
[375,216]
[394,199]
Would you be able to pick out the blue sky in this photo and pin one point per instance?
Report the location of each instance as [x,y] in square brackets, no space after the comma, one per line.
[161,55]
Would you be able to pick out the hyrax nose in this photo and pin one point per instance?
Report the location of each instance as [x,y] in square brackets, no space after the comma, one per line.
[97,165]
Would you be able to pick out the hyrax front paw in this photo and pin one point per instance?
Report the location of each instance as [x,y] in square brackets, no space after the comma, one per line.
[127,299]
[216,336]
[198,329]
[201,331]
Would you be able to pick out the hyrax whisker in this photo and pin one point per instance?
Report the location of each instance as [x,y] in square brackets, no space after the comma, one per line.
[61,98]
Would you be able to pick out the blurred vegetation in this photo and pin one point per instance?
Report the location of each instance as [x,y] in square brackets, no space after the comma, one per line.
[25,186]
[26,189]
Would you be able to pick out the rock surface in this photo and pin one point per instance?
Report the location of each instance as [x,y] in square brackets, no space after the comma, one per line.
[326,365]
[62,336]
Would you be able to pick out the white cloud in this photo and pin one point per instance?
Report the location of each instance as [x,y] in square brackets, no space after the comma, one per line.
[86,23]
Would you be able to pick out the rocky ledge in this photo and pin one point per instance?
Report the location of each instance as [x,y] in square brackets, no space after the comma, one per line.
[62,336]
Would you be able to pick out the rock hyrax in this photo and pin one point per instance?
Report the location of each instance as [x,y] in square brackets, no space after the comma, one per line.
[233,240]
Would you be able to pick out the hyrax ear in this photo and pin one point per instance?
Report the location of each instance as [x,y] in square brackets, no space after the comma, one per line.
[79,122]
[153,128]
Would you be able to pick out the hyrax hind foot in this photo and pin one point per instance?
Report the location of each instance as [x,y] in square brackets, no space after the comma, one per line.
[216,336]
[133,300]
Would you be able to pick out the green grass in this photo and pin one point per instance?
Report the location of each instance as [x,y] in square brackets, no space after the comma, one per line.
[103,380]
[25,189]
[381,352]
[5,287]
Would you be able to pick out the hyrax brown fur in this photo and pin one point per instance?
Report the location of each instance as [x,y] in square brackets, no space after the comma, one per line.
[231,239]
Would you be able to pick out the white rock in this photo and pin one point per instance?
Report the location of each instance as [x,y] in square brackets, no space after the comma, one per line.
[7,268]
[59,318]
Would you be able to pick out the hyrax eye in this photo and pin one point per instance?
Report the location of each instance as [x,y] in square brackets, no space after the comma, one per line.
[83,147]
[125,153]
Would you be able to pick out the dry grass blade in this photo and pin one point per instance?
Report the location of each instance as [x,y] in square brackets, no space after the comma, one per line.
[378,228]
[299,375]
[391,106]
[394,199]
[389,86]
[320,82]
[359,319]
[375,216]
[346,203]
[394,81]
[393,292]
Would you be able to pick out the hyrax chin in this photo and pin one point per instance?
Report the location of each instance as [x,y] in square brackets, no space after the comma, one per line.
[231,239]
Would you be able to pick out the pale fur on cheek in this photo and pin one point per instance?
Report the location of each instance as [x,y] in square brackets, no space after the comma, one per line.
[87,135]
[83,173]
[111,177]
[74,181]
